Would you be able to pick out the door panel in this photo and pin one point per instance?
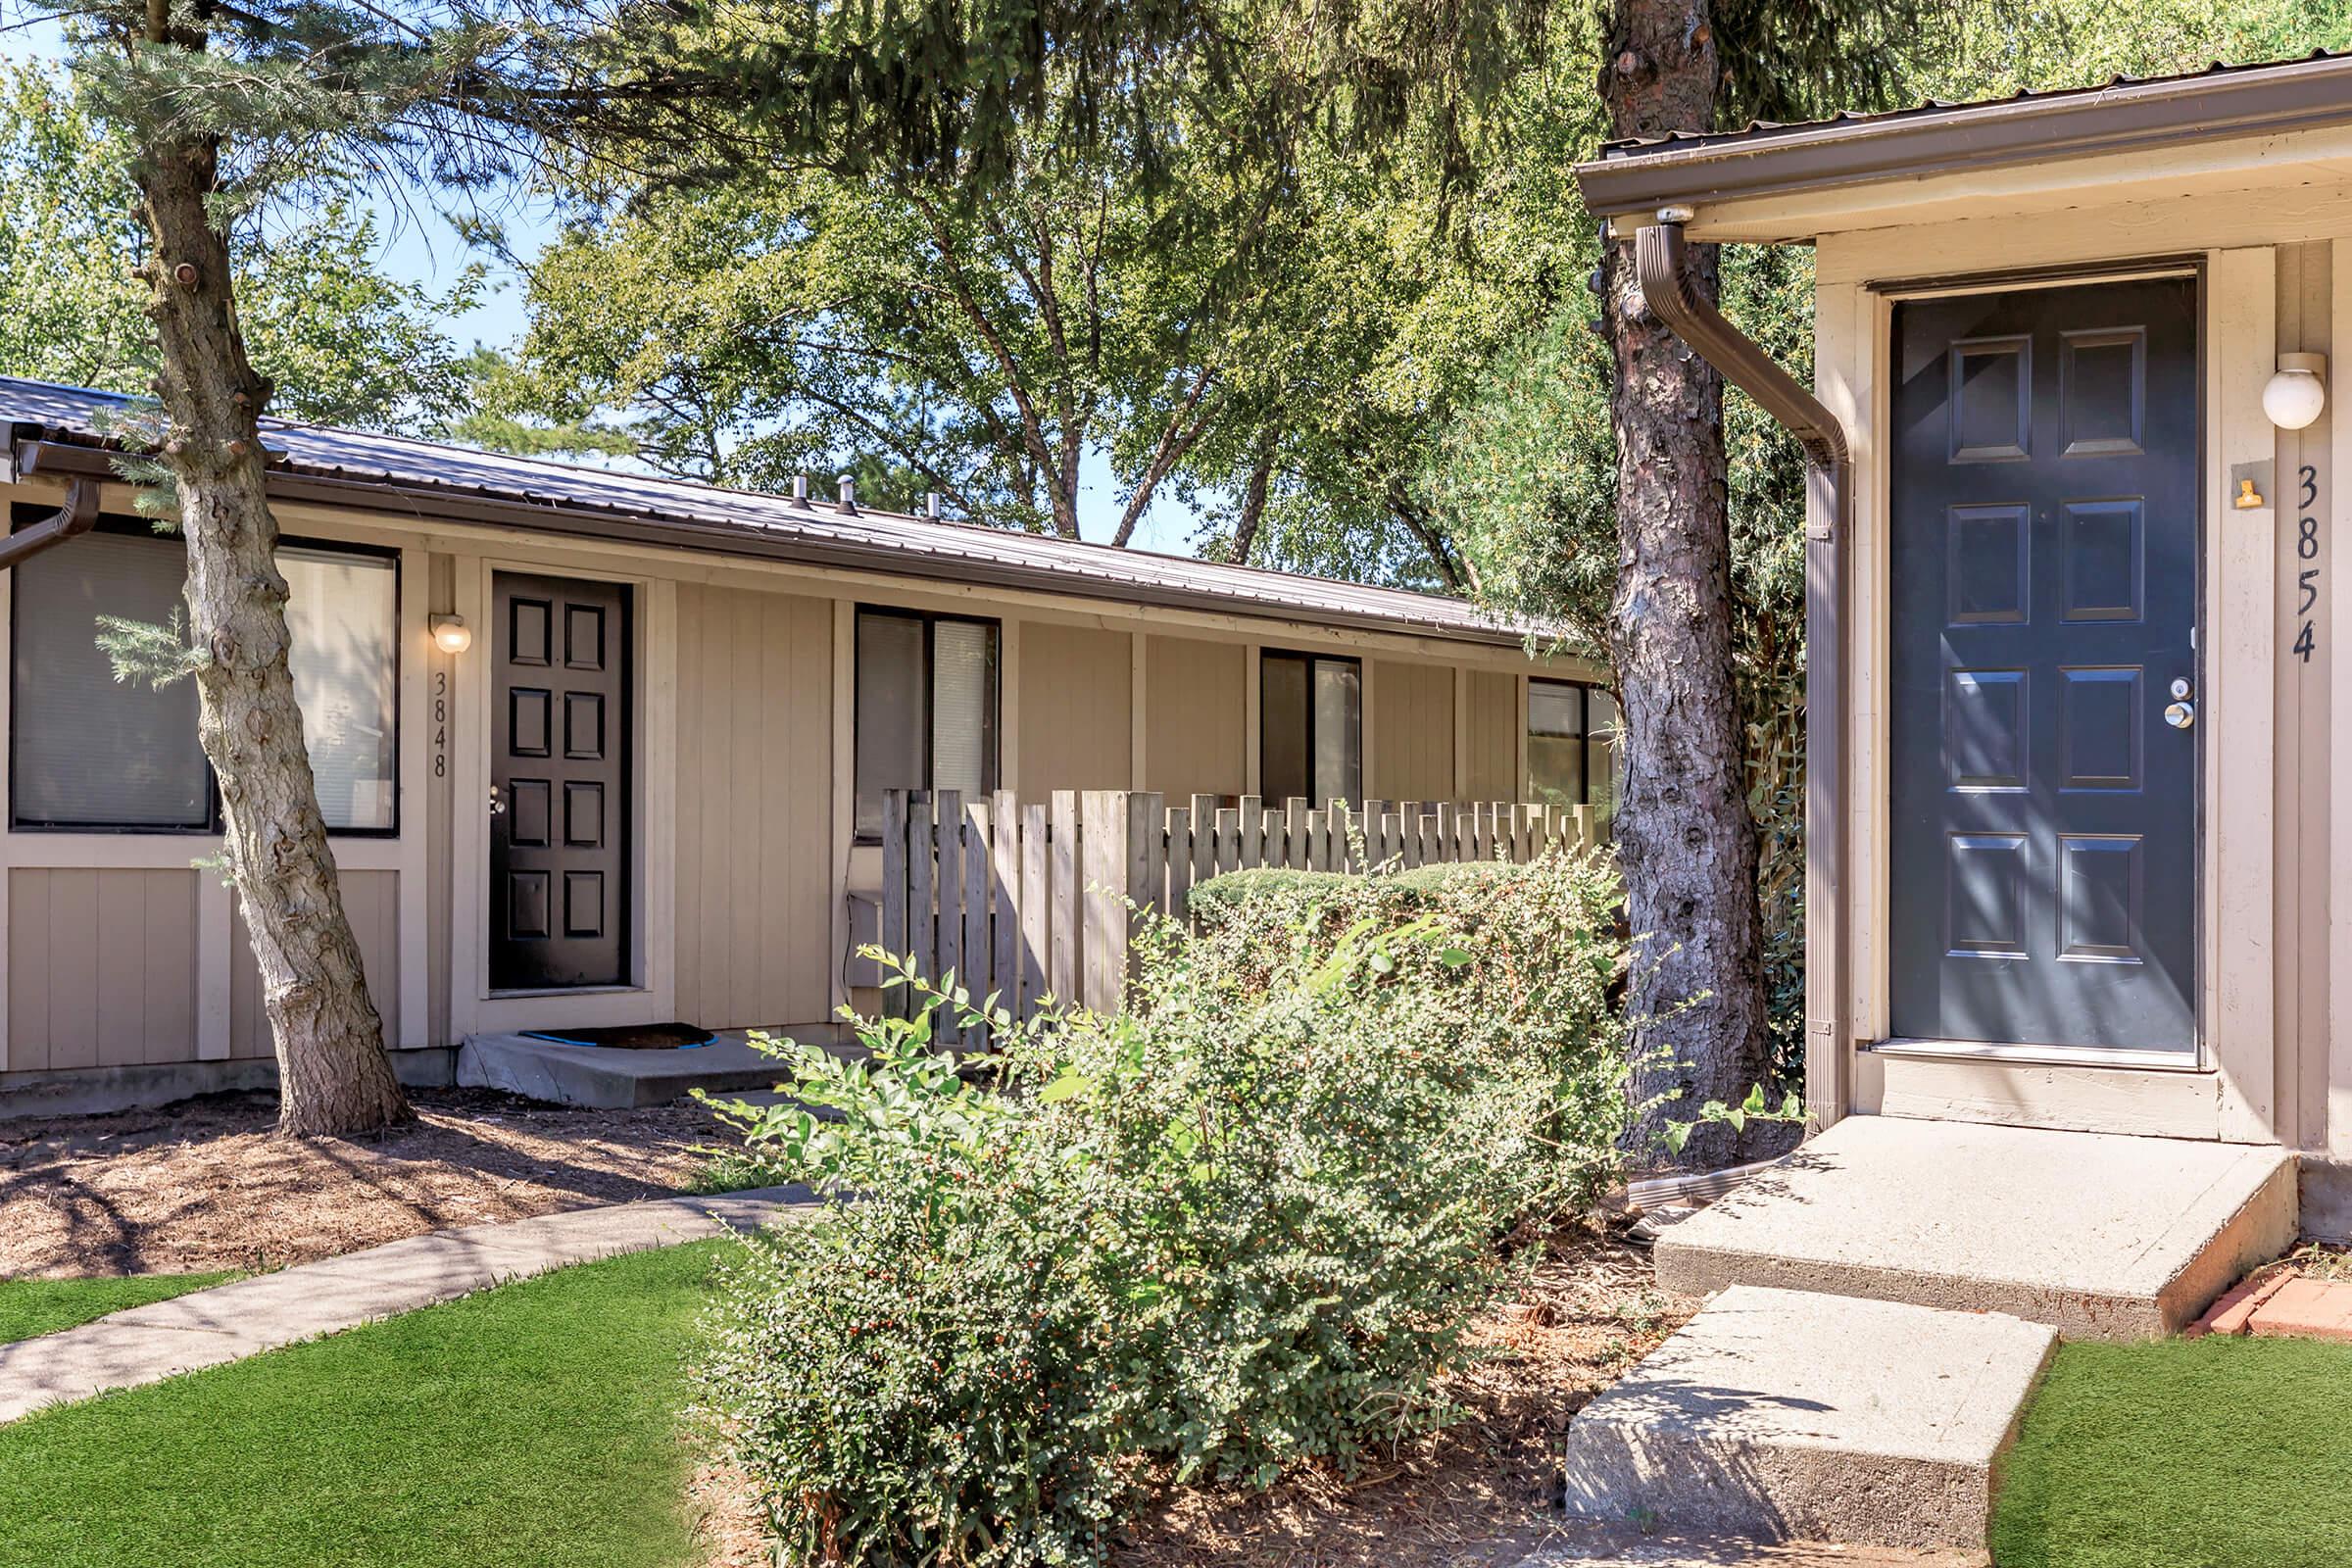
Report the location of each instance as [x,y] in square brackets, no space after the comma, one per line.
[558,773]
[2044,571]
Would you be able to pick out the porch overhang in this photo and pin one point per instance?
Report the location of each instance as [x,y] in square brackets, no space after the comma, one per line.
[2231,127]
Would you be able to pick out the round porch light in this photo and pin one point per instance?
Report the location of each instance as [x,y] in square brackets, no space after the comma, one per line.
[450,634]
[2298,392]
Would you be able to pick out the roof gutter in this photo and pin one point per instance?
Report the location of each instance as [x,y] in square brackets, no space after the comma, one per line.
[77,516]
[1661,260]
[1912,144]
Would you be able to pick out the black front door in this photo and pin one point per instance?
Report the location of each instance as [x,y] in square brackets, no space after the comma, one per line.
[558,783]
[2044,595]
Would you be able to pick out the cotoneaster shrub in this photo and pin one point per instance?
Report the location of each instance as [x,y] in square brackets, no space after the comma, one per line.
[1243,1225]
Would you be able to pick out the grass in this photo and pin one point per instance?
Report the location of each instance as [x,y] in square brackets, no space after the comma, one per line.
[28,1307]
[534,1424]
[2203,1453]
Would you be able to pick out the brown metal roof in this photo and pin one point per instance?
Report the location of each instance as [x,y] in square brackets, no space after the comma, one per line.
[2270,97]
[60,429]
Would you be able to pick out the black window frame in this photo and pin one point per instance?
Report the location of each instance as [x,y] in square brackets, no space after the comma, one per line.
[991,767]
[23,514]
[1310,659]
[1584,736]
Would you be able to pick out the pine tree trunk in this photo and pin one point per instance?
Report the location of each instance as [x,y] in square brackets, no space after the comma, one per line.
[1685,839]
[333,1076]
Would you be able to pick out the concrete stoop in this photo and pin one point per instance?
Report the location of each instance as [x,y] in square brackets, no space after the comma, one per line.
[2101,1234]
[1780,1415]
[618,1080]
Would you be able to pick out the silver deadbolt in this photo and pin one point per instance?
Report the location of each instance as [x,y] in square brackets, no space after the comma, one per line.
[498,805]
[2181,688]
[2180,714]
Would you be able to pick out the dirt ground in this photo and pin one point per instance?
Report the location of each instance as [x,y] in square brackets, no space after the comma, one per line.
[205,1185]
[1483,1491]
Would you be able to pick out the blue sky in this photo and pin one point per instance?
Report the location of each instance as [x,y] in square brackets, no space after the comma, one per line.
[419,245]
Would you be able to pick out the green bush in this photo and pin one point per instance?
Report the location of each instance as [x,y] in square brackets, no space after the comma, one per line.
[1242,1225]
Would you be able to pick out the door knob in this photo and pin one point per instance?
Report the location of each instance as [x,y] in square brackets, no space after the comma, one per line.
[2180,714]
[498,807]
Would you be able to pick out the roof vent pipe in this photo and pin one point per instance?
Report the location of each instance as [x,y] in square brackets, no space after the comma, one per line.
[1661,260]
[931,504]
[849,492]
[799,489]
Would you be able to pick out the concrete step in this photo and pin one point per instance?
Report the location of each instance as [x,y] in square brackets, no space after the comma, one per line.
[2101,1234]
[620,1080]
[1782,1415]
[1580,1544]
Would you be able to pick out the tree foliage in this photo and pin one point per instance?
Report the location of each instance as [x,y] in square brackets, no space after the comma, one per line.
[345,342]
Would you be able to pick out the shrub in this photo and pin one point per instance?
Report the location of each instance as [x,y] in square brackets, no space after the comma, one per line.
[1243,1225]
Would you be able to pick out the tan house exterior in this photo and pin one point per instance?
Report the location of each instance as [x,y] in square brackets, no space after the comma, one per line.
[735,668]
[2237,185]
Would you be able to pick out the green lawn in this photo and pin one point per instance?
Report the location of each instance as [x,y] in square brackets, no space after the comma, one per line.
[2205,1453]
[43,1307]
[534,1424]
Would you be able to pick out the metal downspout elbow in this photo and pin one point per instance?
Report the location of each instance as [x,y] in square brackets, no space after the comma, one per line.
[1661,262]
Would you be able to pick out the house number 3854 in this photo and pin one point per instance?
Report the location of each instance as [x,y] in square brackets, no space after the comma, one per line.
[2307,550]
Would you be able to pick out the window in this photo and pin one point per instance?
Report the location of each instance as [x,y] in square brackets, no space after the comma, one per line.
[1311,717]
[1571,745]
[89,752]
[927,708]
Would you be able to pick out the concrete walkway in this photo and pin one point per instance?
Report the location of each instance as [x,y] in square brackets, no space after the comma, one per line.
[230,1322]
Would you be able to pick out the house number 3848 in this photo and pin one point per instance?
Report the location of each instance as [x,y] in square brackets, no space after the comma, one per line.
[2307,550]
[440,723]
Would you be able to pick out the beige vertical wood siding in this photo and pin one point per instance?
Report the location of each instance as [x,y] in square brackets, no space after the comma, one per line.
[754,876]
[1076,701]
[1412,733]
[1194,714]
[372,903]
[1490,737]
[101,967]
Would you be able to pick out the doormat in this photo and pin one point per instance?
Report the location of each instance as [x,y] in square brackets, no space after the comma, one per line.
[629,1037]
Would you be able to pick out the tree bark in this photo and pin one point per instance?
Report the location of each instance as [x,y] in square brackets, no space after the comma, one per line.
[1686,842]
[333,1076]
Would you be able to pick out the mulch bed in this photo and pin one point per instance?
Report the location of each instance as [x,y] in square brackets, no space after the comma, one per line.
[207,1184]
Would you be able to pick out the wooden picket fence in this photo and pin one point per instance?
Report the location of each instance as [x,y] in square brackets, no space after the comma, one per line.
[1037,901]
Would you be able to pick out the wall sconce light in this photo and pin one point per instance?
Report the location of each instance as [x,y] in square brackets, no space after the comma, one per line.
[2298,392]
[450,634]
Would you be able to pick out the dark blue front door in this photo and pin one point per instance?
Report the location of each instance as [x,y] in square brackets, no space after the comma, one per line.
[2044,492]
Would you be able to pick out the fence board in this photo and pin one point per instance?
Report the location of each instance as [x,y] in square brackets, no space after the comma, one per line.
[1178,834]
[1229,840]
[1301,841]
[979,950]
[921,908]
[1005,893]
[1065,896]
[1036,906]
[894,936]
[1253,831]
[948,845]
[1102,846]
